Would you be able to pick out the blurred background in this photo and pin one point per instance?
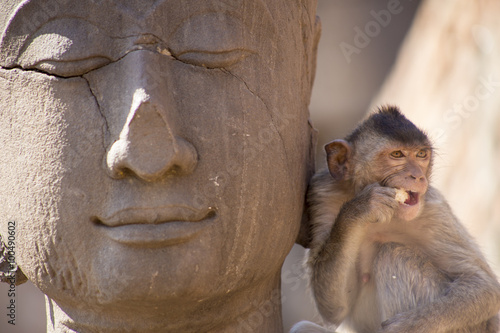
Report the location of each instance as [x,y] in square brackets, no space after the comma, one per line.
[445,76]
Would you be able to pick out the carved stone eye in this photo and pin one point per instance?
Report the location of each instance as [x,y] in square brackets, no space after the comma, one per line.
[68,47]
[397,154]
[211,40]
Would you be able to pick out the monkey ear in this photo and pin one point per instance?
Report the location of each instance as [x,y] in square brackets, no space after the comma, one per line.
[338,156]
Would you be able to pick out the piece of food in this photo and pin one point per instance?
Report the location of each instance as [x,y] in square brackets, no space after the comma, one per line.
[401,195]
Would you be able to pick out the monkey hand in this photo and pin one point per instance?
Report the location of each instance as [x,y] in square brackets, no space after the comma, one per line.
[377,202]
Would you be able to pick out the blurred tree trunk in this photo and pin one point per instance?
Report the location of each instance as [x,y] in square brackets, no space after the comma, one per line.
[447,80]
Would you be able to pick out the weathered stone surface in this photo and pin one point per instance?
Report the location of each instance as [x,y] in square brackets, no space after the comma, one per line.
[155,156]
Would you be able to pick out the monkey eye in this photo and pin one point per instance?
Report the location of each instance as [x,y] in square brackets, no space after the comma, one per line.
[397,154]
[422,153]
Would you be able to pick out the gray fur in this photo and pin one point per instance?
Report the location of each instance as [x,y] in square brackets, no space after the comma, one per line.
[377,272]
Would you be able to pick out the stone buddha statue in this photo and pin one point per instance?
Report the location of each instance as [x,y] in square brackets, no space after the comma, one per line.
[155,157]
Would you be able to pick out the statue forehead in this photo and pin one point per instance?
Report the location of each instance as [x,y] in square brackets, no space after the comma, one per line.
[136,9]
[119,18]
[117,15]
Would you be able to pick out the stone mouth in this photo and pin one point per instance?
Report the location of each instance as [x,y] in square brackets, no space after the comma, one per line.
[154,215]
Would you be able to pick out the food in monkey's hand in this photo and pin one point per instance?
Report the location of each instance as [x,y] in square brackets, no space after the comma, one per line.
[362,252]
[401,195]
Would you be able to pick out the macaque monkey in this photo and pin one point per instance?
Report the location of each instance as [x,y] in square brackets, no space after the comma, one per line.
[387,254]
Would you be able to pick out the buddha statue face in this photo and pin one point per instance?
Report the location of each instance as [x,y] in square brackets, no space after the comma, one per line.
[155,153]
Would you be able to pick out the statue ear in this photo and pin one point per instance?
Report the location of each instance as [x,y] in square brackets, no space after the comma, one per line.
[304,236]
[9,272]
[338,156]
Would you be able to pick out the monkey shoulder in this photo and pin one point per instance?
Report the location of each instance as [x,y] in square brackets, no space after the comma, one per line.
[325,194]
[445,231]
[324,199]
[435,197]
[437,209]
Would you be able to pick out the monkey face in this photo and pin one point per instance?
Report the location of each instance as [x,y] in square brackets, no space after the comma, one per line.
[405,168]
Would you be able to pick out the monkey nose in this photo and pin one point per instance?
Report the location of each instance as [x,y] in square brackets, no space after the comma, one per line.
[417,177]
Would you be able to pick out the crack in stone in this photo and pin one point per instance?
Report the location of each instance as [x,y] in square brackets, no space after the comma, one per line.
[247,86]
[306,9]
[105,131]
[158,47]
[273,123]
[35,70]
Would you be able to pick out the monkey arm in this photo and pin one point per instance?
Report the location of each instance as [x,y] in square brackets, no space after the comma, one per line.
[473,295]
[470,301]
[334,276]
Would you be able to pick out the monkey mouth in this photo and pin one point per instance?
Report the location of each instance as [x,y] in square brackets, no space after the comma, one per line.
[412,198]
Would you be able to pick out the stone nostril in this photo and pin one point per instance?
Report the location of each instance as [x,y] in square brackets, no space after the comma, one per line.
[178,157]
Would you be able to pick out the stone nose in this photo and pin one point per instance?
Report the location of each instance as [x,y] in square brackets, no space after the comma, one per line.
[147,146]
